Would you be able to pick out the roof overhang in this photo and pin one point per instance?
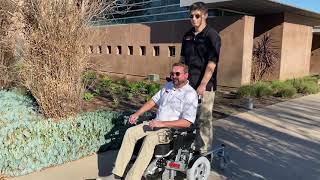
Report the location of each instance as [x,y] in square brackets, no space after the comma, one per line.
[255,7]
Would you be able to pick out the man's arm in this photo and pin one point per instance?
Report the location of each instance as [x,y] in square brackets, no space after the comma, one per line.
[213,57]
[206,77]
[180,123]
[146,107]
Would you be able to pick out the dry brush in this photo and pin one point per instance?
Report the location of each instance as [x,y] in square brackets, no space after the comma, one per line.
[55,59]
[7,13]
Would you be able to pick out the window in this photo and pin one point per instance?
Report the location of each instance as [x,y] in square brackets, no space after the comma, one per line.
[108,49]
[130,50]
[119,50]
[140,11]
[144,11]
[142,50]
[99,49]
[90,49]
[156,51]
[172,51]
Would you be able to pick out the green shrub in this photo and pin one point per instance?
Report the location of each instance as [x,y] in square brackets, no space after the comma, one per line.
[105,82]
[245,91]
[97,91]
[137,87]
[153,88]
[308,88]
[296,83]
[278,85]
[115,88]
[89,77]
[306,85]
[142,85]
[310,79]
[262,90]
[16,107]
[88,96]
[33,145]
[284,90]
[123,82]
[133,88]
[29,144]
[129,95]
[316,76]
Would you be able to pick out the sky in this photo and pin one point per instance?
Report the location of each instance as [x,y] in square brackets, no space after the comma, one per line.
[313,5]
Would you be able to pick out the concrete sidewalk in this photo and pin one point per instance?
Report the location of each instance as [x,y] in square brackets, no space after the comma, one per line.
[278,142]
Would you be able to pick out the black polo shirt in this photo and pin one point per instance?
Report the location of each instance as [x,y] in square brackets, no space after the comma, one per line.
[197,51]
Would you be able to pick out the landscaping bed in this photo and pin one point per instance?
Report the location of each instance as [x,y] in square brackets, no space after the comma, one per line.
[32,142]
[227,102]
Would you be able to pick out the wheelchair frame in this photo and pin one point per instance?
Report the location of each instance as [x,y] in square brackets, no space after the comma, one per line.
[182,159]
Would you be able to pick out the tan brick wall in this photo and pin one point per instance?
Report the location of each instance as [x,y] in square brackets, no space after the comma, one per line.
[236,33]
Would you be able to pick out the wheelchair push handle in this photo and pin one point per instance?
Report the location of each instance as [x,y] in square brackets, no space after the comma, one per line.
[200,99]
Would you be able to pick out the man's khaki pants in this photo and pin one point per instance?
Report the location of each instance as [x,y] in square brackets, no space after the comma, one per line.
[204,122]
[133,134]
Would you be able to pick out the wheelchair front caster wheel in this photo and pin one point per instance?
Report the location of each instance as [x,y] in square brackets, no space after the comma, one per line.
[224,161]
[200,169]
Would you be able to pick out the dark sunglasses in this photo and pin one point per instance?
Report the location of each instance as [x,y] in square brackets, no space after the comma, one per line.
[175,73]
[197,16]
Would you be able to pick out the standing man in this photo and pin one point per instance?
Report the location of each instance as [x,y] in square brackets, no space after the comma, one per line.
[200,51]
[177,108]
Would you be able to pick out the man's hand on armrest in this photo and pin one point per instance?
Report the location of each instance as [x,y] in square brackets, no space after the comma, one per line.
[180,123]
[146,107]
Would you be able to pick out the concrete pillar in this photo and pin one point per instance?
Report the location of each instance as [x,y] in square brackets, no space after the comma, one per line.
[296,47]
[236,51]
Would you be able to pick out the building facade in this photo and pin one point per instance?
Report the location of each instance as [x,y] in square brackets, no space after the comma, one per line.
[147,39]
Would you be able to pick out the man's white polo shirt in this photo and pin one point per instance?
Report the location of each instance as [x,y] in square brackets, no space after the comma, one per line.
[176,103]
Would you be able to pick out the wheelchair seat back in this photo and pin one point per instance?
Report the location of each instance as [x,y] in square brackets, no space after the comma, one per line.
[180,140]
[183,141]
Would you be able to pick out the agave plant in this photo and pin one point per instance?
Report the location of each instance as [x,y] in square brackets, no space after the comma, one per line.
[265,57]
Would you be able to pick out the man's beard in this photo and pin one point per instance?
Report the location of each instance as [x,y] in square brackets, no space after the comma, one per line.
[177,82]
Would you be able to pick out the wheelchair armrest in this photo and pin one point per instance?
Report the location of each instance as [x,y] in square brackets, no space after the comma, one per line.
[183,130]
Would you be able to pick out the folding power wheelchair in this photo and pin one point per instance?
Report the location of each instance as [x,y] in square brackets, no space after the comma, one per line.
[178,159]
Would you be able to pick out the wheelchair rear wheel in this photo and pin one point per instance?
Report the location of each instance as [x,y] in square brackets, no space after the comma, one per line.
[199,170]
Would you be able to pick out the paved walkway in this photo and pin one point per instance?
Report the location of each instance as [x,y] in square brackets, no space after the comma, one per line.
[278,142]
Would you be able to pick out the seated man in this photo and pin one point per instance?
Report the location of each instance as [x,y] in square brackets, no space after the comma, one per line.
[177,107]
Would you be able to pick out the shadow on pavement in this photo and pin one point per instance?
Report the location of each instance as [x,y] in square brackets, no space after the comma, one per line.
[106,162]
[277,142]
[282,145]
[107,153]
